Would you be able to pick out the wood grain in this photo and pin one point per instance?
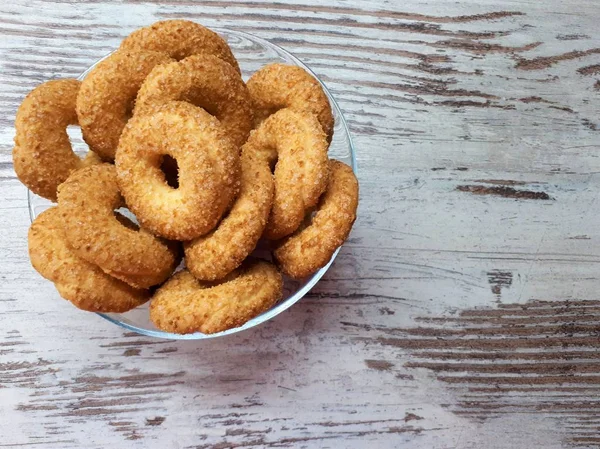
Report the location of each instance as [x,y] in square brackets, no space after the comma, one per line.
[463,311]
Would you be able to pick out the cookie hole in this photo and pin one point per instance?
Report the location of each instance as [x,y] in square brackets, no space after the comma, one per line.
[273,164]
[308,219]
[79,146]
[170,169]
[127,219]
[129,110]
[200,101]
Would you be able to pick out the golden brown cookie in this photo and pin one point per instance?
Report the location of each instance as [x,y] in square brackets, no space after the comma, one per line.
[295,142]
[43,157]
[311,248]
[205,81]
[180,39]
[106,99]
[87,201]
[278,86]
[208,162]
[215,255]
[184,305]
[78,281]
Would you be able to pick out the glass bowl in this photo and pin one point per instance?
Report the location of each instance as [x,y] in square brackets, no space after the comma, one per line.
[252,53]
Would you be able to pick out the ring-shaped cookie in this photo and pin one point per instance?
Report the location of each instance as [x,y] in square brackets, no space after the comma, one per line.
[278,86]
[297,144]
[82,283]
[208,164]
[43,157]
[180,39]
[311,248]
[216,254]
[87,201]
[106,99]
[184,305]
[205,81]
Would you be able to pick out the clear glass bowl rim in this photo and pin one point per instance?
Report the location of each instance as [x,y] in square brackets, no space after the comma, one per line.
[299,294]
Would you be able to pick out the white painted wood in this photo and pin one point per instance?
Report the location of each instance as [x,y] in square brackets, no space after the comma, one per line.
[390,349]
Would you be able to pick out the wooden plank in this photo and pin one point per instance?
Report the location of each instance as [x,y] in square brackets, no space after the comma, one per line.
[476,127]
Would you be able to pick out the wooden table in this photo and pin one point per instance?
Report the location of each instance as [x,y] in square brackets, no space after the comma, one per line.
[462,313]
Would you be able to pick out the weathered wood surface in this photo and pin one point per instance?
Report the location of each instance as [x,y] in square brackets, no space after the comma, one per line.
[464,310]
